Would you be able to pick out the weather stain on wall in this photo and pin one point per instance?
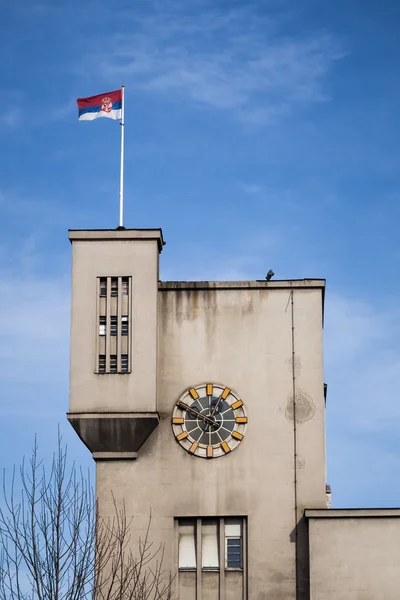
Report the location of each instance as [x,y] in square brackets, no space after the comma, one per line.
[301,462]
[305,407]
[297,363]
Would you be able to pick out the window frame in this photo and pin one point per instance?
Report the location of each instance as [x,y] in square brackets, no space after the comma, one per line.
[222,543]
[114,325]
[113,361]
[113,335]
[102,326]
[103,287]
[124,325]
[124,363]
[102,361]
[114,287]
[233,537]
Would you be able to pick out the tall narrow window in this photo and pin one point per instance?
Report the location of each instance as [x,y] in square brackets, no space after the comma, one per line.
[124,363]
[102,325]
[114,325]
[187,545]
[125,286]
[233,544]
[103,287]
[102,363]
[209,544]
[124,325]
[113,363]
[114,286]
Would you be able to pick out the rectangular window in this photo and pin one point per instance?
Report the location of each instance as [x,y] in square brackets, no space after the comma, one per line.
[124,363]
[103,287]
[187,544]
[113,363]
[233,544]
[102,363]
[124,325]
[114,325]
[114,286]
[125,286]
[209,544]
[102,325]
[209,531]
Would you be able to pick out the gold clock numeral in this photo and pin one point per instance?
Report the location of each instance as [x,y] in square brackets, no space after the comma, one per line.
[193,393]
[209,451]
[241,419]
[193,447]
[237,404]
[209,389]
[237,435]
[178,421]
[225,447]
[182,436]
[225,393]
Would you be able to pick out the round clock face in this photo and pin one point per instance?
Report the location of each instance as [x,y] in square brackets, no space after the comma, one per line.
[209,420]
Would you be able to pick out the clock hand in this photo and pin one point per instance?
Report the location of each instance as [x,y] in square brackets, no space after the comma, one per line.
[216,406]
[196,412]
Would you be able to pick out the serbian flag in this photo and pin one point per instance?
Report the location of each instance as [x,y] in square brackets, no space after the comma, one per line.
[104,105]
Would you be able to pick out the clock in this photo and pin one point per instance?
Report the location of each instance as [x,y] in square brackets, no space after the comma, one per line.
[209,420]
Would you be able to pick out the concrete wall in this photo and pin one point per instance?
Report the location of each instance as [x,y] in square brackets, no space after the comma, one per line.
[354,554]
[239,335]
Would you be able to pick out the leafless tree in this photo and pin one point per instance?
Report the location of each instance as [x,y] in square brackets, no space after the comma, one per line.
[55,546]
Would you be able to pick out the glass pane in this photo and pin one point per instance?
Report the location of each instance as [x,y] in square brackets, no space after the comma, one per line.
[233,543]
[114,286]
[125,286]
[209,544]
[103,286]
[233,527]
[234,553]
[187,545]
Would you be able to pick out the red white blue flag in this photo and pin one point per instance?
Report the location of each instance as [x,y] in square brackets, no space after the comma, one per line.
[104,105]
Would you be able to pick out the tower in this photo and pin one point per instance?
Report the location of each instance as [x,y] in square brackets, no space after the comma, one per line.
[113,382]
[204,402]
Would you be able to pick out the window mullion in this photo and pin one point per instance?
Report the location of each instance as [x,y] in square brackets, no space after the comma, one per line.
[221,559]
[119,309]
[97,339]
[244,558]
[130,319]
[108,320]
[198,561]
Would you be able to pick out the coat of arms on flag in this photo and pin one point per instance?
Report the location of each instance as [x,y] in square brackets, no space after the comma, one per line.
[103,105]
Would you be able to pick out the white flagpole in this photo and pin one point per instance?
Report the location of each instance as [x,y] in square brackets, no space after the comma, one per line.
[121,178]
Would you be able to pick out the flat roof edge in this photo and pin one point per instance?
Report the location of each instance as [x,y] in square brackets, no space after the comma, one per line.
[105,235]
[351,513]
[227,285]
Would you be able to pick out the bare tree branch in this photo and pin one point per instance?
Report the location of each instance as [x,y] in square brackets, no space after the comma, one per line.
[54,545]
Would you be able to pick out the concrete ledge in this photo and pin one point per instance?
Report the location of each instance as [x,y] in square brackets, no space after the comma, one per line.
[238,285]
[115,455]
[351,513]
[114,433]
[112,235]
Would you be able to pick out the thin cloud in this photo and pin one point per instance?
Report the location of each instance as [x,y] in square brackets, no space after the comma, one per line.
[11,118]
[233,60]
[250,188]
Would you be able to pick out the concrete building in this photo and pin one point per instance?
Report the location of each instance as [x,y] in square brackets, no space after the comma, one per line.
[205,402]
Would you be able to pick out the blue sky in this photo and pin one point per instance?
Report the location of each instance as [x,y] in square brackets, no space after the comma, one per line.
[258,135]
